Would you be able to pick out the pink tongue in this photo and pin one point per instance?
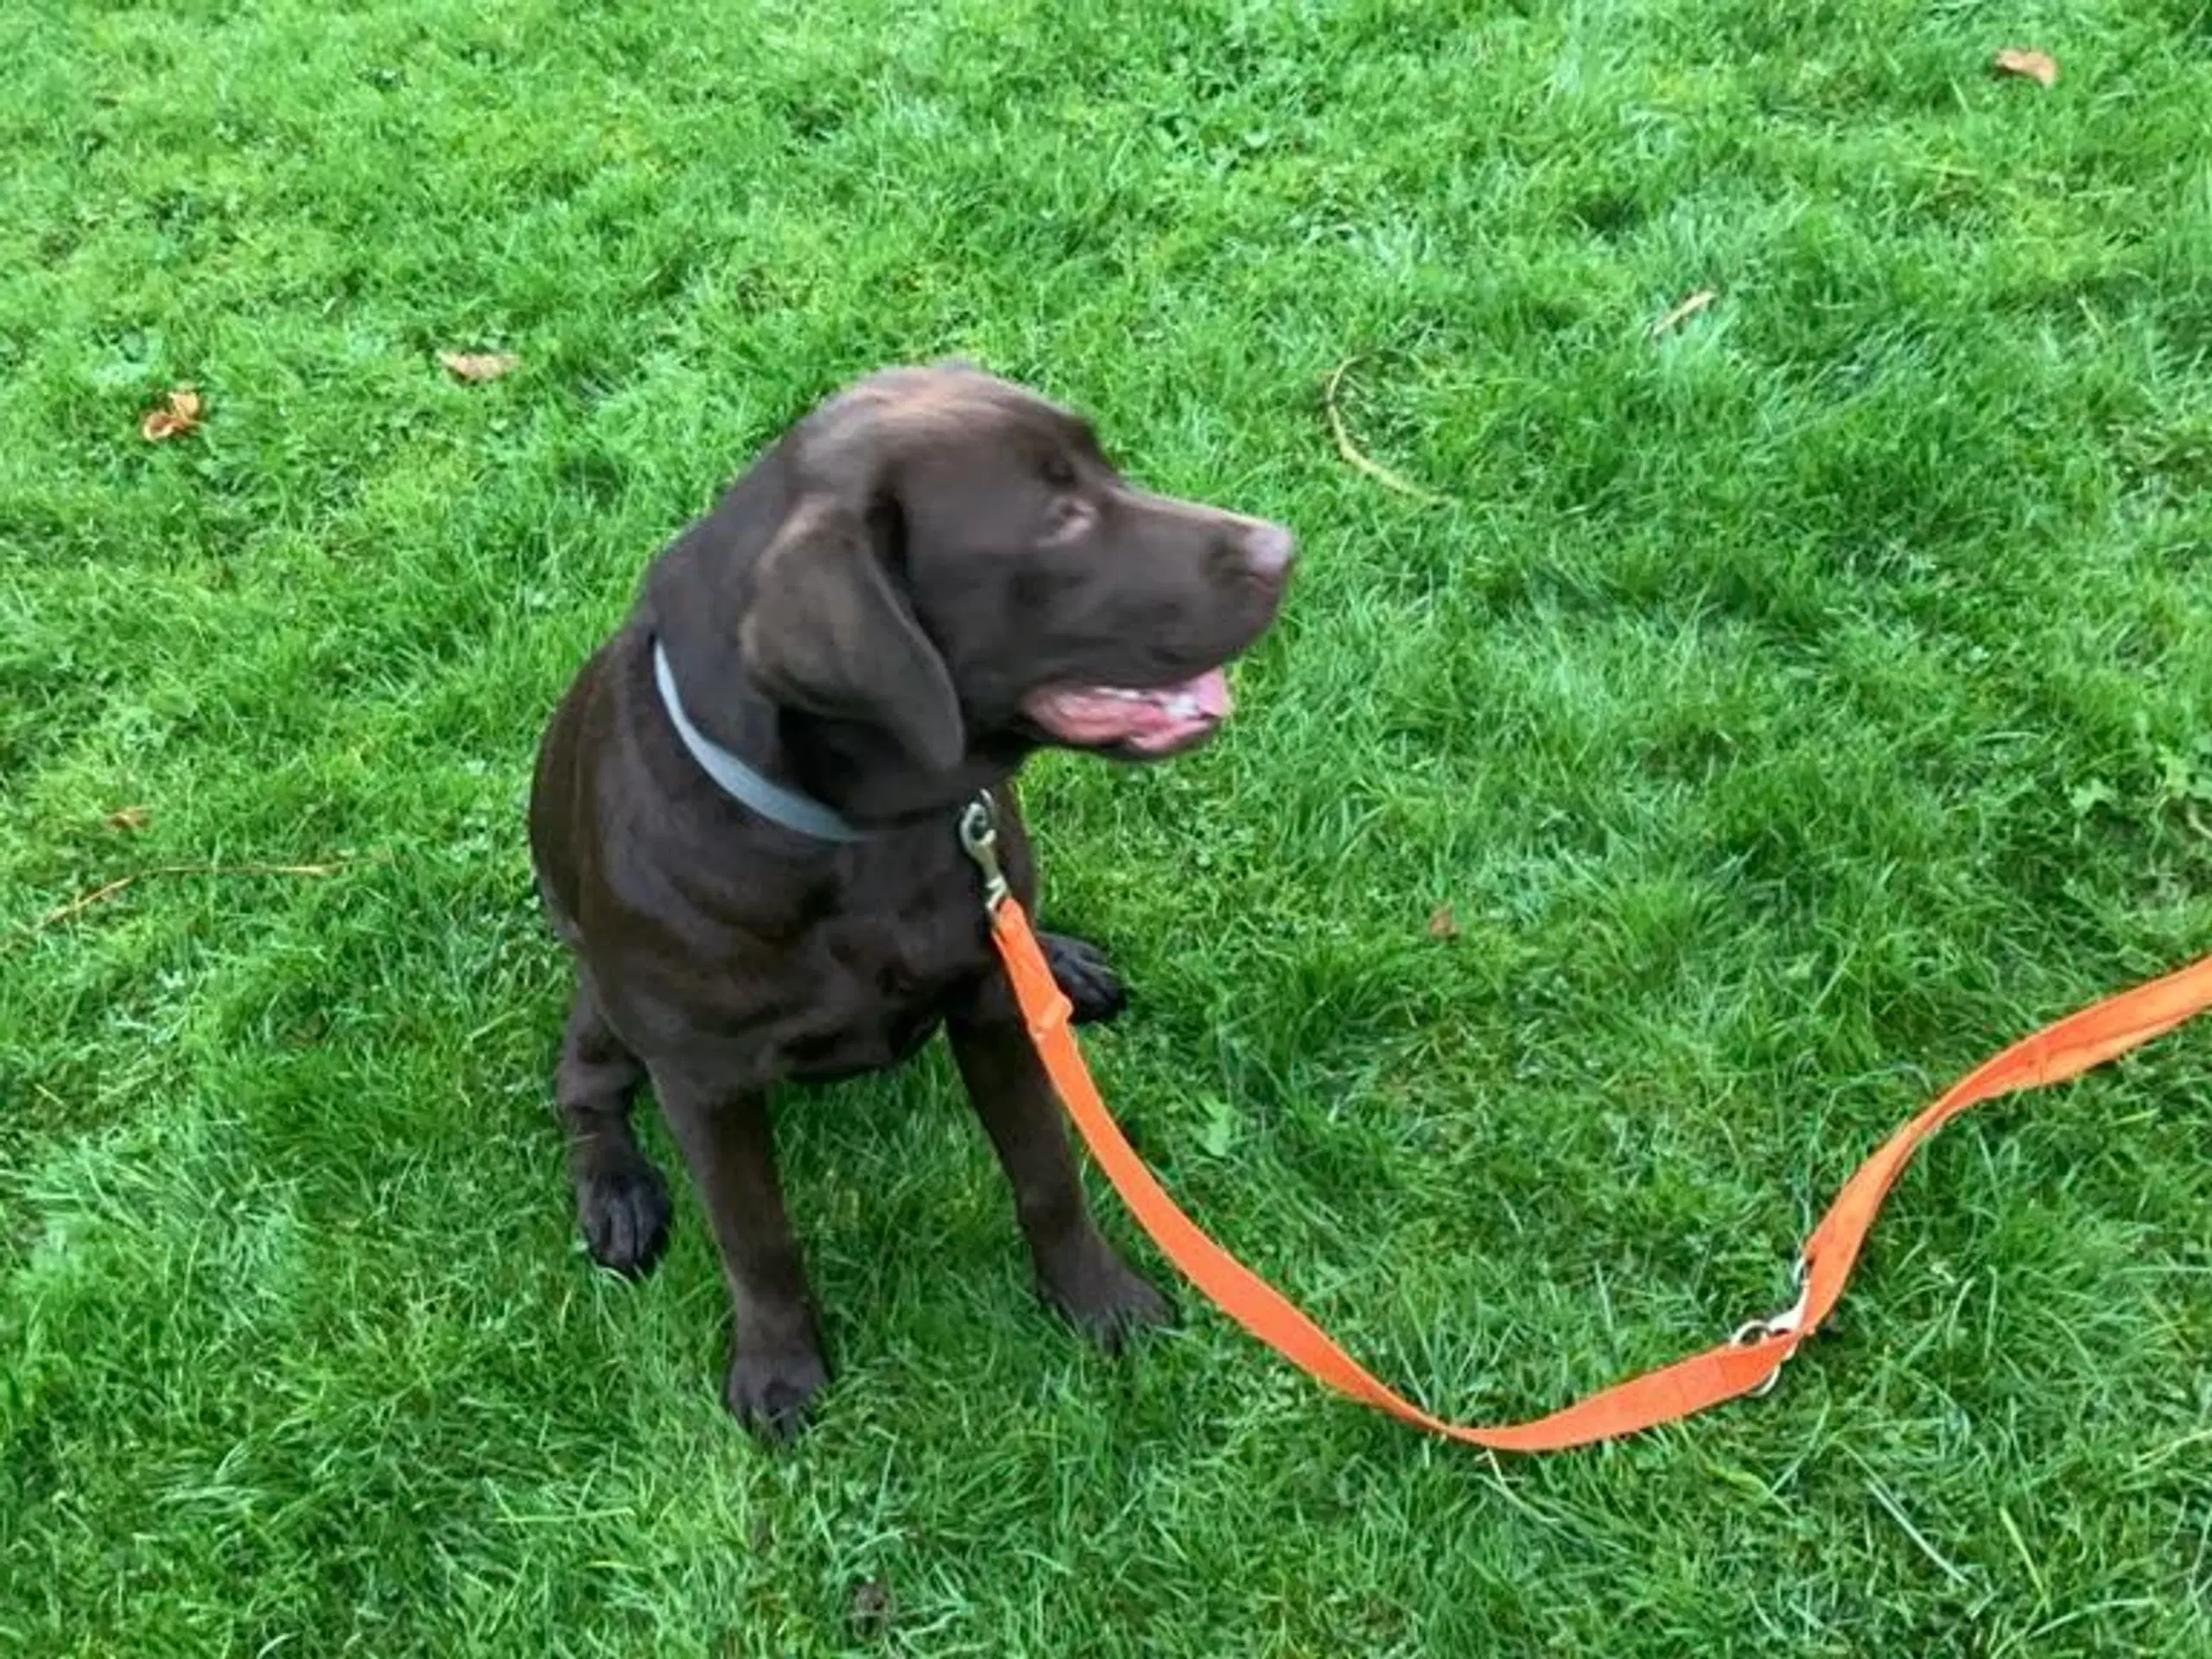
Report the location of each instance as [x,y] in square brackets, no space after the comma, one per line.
[1101,714]
[1211,691]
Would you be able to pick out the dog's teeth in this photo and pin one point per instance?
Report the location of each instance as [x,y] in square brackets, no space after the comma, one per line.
[1183,706]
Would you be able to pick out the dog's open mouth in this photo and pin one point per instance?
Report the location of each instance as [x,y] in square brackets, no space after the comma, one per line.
[1157,720]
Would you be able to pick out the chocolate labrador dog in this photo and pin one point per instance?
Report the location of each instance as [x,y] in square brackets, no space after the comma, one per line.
[744,819]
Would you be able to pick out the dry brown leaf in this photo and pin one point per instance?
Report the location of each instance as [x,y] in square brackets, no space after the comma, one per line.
[1442,923]
[1682,312]
[2038,67]
[476,367]
[128,817]
[173,418]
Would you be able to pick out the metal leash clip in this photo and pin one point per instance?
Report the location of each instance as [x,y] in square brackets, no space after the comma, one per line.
[979,839]
[1787,1323]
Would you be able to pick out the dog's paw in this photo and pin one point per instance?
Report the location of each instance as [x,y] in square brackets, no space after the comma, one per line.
[770,1391]
[622,1207]
[1105,1298]
[1085,978]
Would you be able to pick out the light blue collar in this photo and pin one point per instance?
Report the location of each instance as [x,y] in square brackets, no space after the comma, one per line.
[743,783]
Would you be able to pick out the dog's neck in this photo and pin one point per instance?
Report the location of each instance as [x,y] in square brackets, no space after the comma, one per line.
[740,779]
[867,777]
[832,781]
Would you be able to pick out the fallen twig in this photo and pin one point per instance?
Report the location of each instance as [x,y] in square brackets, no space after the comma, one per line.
[107,890]
[1350,451]
[1682,312]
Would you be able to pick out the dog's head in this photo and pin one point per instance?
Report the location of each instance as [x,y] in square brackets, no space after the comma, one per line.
[939,571]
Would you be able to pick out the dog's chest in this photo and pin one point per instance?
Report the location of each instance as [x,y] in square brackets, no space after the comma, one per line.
[878,985]
[852,972]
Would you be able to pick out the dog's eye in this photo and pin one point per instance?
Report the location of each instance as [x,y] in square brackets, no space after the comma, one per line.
[1071,518]
[1058,471]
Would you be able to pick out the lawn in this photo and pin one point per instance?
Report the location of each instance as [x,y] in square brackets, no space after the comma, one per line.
[1782,709]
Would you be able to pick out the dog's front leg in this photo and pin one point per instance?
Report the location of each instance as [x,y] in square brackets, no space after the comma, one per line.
[776,1367]
[1078,1271]
[1095,992]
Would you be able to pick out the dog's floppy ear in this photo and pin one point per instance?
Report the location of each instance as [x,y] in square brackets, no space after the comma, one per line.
[828,634]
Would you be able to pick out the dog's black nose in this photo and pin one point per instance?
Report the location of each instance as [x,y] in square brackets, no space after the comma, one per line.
[1268,551]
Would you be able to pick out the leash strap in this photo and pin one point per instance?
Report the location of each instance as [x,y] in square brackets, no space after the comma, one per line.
[1747,1363]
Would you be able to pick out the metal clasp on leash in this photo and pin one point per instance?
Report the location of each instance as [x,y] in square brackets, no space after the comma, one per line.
[979,839]
[1787,1323]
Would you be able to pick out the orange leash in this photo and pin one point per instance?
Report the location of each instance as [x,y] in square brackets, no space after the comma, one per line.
[1747,1363]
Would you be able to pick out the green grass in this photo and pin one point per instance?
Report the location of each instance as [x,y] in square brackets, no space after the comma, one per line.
[1790,709]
